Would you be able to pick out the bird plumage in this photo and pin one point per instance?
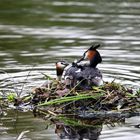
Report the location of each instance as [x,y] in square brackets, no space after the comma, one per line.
[60,66]
[85,75]
[92,55]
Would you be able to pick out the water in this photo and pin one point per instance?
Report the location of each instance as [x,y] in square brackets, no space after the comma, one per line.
[34,34]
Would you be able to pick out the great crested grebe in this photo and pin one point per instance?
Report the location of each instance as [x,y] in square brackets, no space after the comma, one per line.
[85,75]
[60,66]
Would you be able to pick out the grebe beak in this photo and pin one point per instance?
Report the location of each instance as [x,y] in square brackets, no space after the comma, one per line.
[61,64]
[81,59]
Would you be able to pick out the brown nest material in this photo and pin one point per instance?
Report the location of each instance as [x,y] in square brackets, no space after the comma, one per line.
[100,101]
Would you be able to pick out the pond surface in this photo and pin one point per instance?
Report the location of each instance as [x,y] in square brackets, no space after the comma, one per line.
[34,34]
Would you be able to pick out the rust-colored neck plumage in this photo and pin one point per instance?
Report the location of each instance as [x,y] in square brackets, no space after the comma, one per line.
[60,66]
[92,55]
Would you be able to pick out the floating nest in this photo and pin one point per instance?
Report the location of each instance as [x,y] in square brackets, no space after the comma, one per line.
[111,100]
[75,109]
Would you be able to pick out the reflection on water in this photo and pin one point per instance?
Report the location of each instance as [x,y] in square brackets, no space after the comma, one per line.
[71,132]
[34,34]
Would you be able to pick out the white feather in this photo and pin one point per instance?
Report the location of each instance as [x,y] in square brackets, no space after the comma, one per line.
[79,70]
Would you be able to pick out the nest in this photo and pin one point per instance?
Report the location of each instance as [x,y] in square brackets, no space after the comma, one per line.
[111,102]
[106,101]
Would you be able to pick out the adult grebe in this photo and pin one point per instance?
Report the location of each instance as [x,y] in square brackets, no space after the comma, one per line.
[86,75]
[60,66]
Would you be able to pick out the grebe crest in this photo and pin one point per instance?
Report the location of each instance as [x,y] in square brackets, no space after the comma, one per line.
[92,55]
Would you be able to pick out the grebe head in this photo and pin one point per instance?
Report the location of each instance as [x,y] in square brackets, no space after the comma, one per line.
[92,55]
[60,66]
